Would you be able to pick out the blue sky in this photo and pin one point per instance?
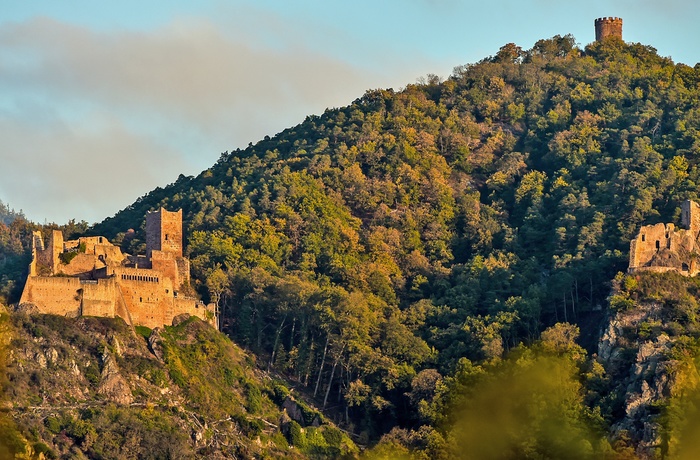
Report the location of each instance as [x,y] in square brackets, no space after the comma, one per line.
[100,102]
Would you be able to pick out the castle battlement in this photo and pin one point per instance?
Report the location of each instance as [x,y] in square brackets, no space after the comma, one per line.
[608,27]
[92,277]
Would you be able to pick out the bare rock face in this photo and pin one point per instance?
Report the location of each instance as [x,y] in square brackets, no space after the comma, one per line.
[181,318]
[27,309]
[112,385]
[644,379]
[154,343]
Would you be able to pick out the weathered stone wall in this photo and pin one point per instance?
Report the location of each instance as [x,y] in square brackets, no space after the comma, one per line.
[690,217]
[54,295]
[608,27]
[662,247]
[195,308]
[99,298]
[56,248]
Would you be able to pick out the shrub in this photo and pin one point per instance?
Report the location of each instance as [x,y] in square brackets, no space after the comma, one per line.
[52,424]
[253,398]
[296,436]
[333,436]
[143,331]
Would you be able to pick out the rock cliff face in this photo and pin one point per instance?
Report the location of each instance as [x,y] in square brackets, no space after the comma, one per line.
[642,373]
[648,358]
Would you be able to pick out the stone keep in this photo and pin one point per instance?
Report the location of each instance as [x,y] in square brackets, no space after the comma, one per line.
[608,27]
[90,276]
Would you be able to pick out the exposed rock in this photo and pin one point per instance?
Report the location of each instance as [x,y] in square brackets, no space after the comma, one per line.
[51,356]
[113,386]
[295,412]
[27,309]
[114,341]
[74,369]
[154,343]
[181,318]
[40,360]
[643,381]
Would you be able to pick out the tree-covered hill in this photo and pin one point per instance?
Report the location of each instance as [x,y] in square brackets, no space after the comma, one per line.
[451,219]
[390,251]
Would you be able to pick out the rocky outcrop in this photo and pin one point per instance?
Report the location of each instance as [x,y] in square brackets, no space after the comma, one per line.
[155,341]
[112,385]
[638,363]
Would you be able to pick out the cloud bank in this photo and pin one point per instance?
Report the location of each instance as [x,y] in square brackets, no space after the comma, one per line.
[90,120]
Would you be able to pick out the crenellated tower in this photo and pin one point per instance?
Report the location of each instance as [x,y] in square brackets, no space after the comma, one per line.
[608,27]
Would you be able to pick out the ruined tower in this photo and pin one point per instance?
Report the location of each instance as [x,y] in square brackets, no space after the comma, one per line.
[164,232]
[608,27]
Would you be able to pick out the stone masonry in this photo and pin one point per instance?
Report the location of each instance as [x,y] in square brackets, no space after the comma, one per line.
[608,27]
[663,247]
[92,277]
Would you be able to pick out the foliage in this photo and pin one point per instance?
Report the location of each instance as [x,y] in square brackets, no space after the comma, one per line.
[450,219]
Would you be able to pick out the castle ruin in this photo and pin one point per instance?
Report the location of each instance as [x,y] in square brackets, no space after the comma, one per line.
[608,27]
[92,277]
[663,248]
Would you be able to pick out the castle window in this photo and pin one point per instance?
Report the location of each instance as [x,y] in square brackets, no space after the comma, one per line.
[166,237]
[658,244]
[644,237]
[140,299]
[684,267]
[668,244]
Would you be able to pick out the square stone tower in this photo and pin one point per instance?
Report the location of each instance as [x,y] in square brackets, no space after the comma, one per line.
[164,232]
[690,217]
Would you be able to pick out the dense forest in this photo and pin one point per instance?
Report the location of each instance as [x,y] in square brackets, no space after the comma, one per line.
[409,259]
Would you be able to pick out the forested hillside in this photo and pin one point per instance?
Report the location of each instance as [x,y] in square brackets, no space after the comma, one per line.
[385,256]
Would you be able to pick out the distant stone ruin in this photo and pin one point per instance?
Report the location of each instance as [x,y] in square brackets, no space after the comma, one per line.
[92,277]
[608,27]
[663,248]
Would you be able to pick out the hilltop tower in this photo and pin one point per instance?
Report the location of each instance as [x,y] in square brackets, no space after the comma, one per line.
[164,232]
[608,27]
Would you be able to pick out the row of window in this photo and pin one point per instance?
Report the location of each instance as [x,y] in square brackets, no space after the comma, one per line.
[150,279]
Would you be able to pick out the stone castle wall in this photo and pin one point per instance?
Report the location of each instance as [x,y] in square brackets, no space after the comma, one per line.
[54,295]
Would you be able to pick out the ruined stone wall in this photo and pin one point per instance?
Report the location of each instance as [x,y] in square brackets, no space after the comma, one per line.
[54,295]
[662,247]
[183,271]
[81,265]
[147,295]
[195,308]
[608,27]
[690,217]
[147,302]
[174,267]
[99,298]
[56,248]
